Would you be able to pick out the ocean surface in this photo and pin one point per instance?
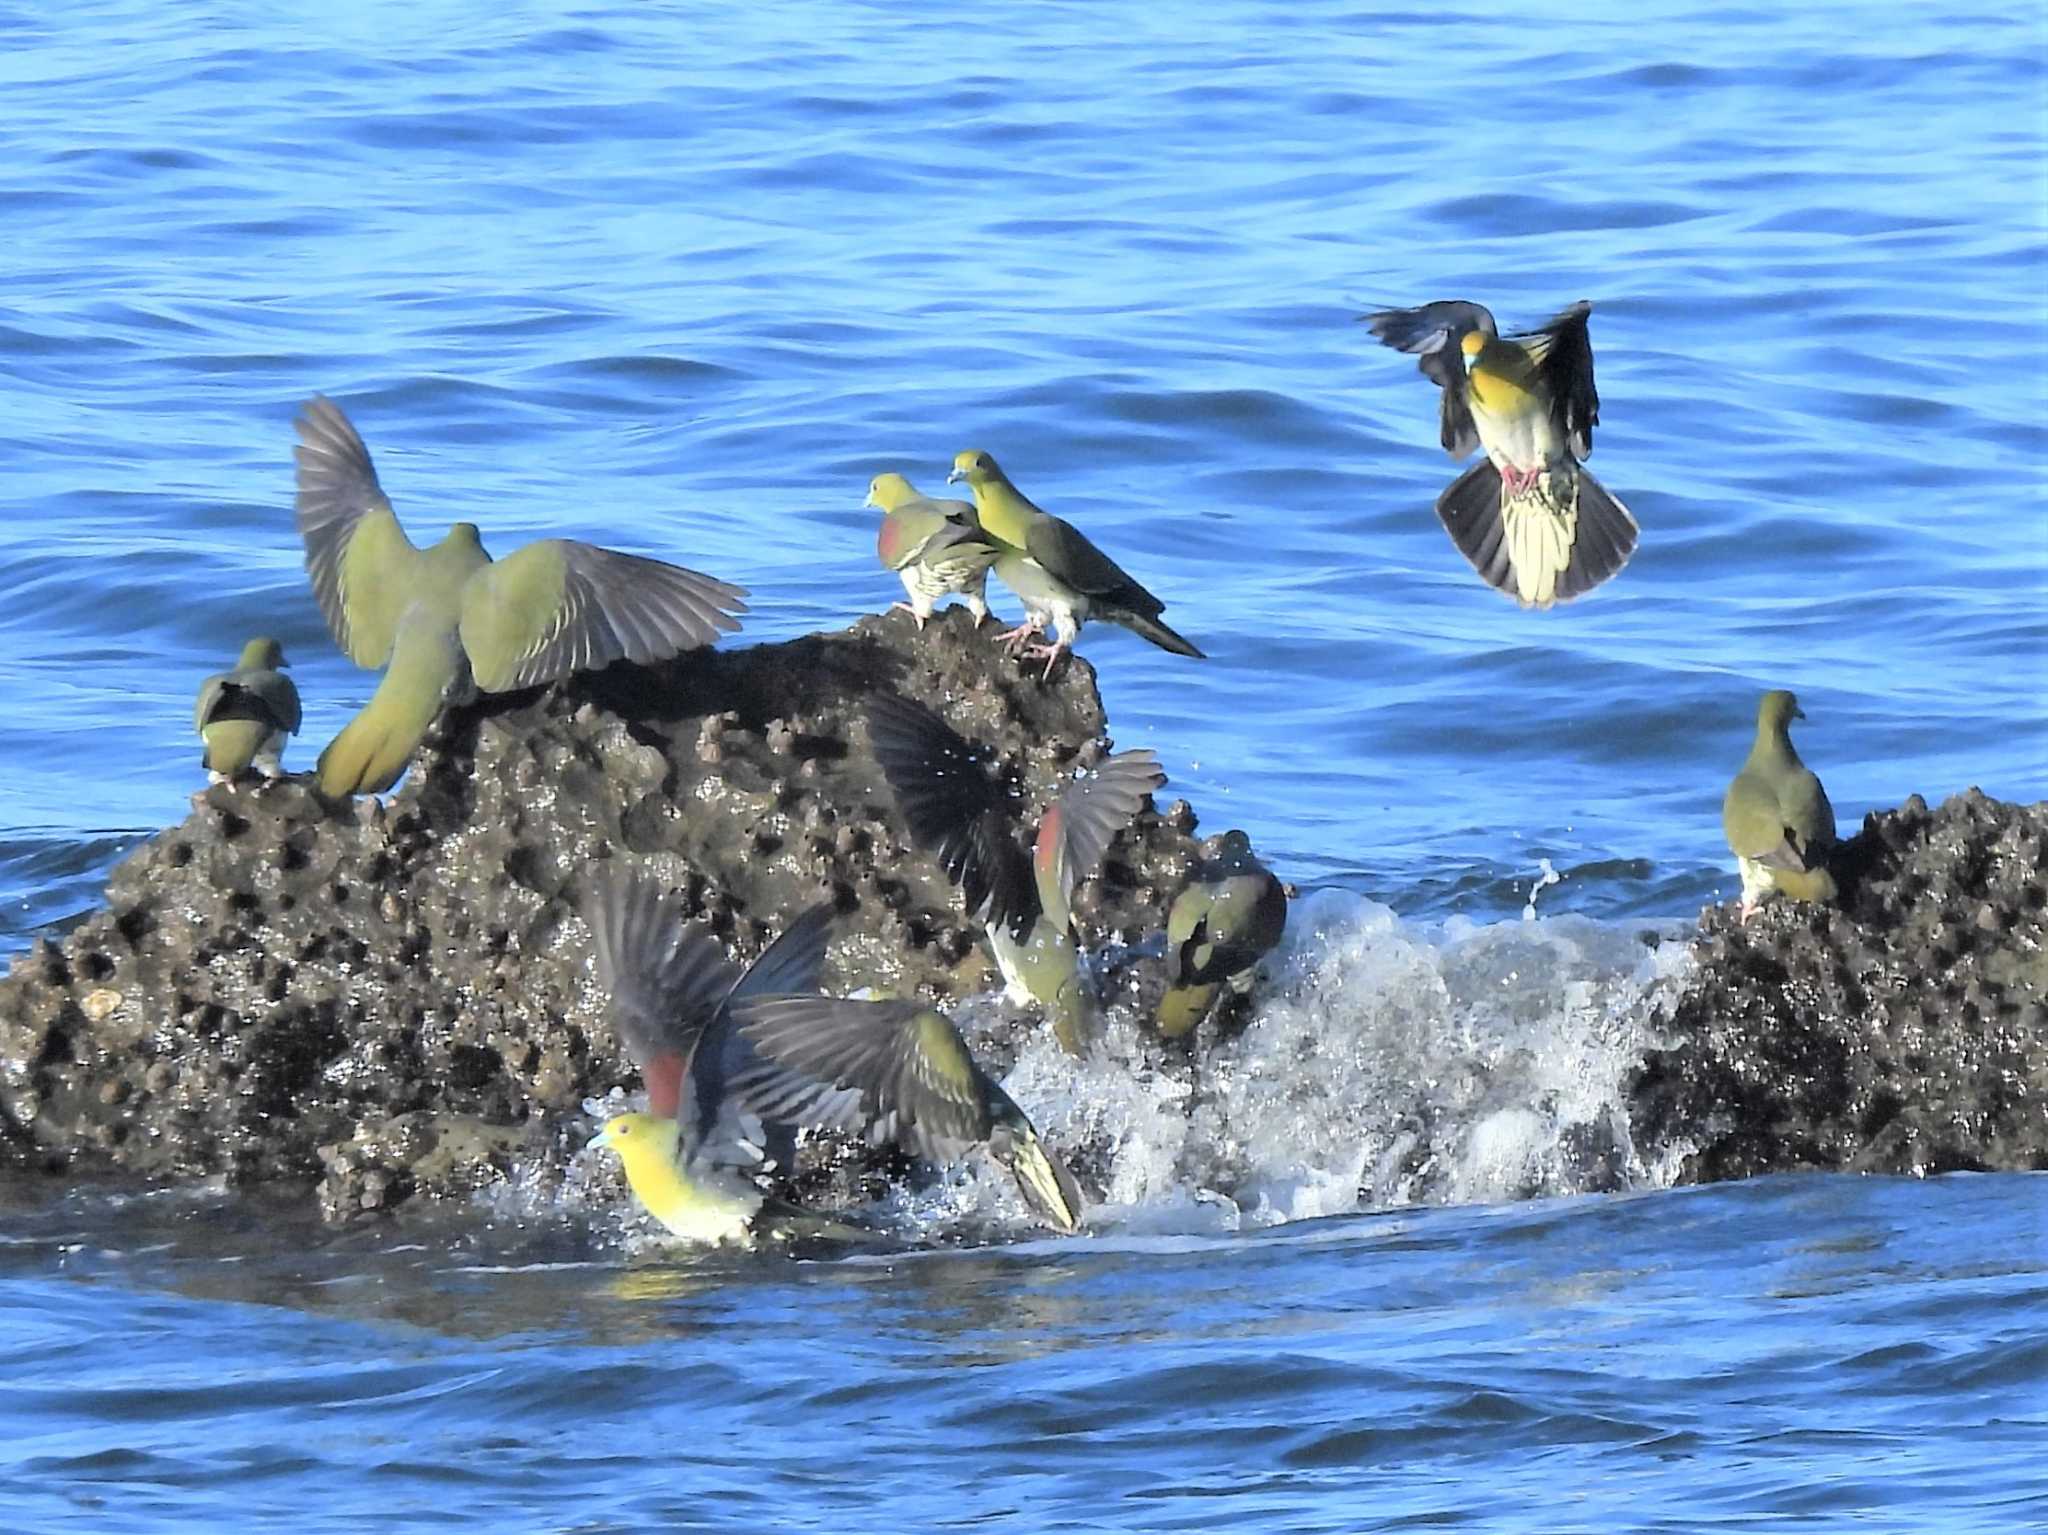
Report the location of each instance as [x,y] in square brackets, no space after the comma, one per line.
[680,280]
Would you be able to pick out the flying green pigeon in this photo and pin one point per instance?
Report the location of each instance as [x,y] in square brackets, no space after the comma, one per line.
[244,715]
[447,621]
[1217,931]
[1063,579]
[1779,823]
[936,547]
[1529,516]
[1020,891]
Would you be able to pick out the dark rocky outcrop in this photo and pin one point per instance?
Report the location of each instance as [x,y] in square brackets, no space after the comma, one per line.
[392,998]
[1903,1031]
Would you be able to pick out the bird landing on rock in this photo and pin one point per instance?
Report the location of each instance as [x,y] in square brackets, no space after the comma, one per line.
[1530,517]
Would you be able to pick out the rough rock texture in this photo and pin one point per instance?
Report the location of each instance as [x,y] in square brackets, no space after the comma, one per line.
[1905,1031]
[396,998]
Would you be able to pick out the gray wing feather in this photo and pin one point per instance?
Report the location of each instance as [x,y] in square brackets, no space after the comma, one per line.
[1093,809]
[625,607]
[666,976]
[954,809]
[819,1049]
[1566,366]
[1434,333]
[337,488]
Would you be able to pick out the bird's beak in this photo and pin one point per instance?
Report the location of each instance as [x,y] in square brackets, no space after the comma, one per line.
[1799,714]
[955,475]
[871,501]
[604,1138]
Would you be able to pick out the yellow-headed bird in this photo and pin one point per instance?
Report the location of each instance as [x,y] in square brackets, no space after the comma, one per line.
[1780,825]
[691,1158]
[447,621]
[1532,520]
[901,1071]
[936,547]
[1020,890]
[244,715]
[1217,930]
[1062,578]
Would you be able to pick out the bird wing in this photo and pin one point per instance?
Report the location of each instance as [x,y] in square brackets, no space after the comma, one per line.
[1434,333]
[792,965]
[899,1068]
[666,976]
[211,691]
[1067,555]
[361,562]
[1562,350]
[279,696]
[1083,821]
[559,606]
[1809,818]
[1755,824]
[955,809]
[922,529]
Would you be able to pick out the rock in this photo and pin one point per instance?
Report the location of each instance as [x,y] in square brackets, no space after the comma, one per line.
[1905,1031]
[381,1000]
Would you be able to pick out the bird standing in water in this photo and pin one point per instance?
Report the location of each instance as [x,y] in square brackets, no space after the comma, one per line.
[1530,517]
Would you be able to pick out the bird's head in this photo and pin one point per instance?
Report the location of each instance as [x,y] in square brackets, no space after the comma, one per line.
[640,1139]
[1778,709]
[263,652]
[975,467]
[886,492]
[466,534]
[1470,346]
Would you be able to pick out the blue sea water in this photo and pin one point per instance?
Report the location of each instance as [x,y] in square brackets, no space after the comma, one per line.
[681,279]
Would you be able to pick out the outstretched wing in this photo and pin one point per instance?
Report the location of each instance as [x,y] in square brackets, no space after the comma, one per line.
[361,562]
[899,1069]
[1083,821]
[1433,334]
[955,809]
[1562,350]
[559,606]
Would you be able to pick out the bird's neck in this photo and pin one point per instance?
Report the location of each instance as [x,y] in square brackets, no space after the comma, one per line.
[1773,747]
[1005,513]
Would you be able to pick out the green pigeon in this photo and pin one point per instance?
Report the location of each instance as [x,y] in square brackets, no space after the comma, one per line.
[1020,891]
[1529,516]
[1779,823]
[244,715]
[901,1071]
[671,994]
[1062,578]
[446,622]
[1217,930]
[936,547]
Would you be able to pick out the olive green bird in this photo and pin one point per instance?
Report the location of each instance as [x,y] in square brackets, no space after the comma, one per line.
[447,621]
[1217,930]
[1021,891]
[1529,516]
[1780,825]
[900,1071]
[937,548]
[244,715]
[1062,579]
[692,1160]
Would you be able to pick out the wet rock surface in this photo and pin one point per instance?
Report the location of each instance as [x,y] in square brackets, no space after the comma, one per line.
[381,1002]
[1903,1031]
[395,999]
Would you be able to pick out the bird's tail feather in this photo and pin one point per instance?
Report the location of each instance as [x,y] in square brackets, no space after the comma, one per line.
[1549,544]
[373,748]
[1153,630]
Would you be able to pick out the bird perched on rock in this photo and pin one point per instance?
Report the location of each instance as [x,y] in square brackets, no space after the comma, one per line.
[244,715]
[1217,931]
[1779,823]
[1062,578]
[448,621]
[936,547]
[1021,891]
[901,1071]
[690,1158]
[1531,519]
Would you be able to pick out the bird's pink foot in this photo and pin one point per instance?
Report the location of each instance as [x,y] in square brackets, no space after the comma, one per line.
[1014,640]
[1049,654]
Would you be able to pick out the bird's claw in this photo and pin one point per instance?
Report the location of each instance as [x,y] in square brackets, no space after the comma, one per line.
[1050,654]
[906,607]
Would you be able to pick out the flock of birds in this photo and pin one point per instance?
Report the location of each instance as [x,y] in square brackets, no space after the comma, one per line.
[736,1062]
